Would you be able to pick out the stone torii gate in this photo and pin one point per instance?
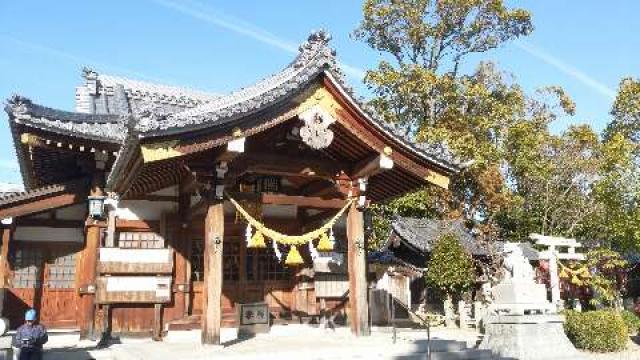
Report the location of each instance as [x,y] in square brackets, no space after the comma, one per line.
[553,254]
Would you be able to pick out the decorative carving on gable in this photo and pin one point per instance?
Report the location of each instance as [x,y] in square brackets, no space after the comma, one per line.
[315,132]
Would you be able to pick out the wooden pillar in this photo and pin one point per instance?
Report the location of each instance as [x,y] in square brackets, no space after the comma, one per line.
[180,243]
[212,311]
[359,307]
[86,268]
[6,229]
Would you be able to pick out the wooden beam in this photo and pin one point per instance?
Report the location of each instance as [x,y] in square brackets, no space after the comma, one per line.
[372,166]
[281,199]
[36,206]
[213,248]
[57,223]
[359,307]
[285,166]
[143,225]
[318,188]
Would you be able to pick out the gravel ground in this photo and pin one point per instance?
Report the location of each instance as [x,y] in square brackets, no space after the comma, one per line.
[291,342]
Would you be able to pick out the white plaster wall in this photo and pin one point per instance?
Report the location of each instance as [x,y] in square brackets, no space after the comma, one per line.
[75,212]
[144,209]
[48,234]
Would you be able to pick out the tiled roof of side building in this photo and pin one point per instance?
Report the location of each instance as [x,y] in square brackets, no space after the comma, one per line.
[422,234]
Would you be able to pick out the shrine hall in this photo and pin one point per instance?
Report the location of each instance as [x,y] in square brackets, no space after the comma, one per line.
[153,208]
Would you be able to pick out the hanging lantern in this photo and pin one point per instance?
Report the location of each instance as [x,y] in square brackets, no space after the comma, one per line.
[257,241]
[293,257]
[325,244]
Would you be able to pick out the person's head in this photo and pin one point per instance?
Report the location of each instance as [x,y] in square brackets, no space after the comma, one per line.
[30,316]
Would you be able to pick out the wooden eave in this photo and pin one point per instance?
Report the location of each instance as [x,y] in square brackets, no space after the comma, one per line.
[355,140]
[44,199]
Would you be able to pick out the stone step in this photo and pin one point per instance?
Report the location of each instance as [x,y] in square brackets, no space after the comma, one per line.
[472,354]
[437,345]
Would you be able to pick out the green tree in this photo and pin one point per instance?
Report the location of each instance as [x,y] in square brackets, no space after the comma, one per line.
[450,269]
[420,89]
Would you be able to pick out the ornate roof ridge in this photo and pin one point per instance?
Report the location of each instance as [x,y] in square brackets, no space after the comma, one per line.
[148,89]
[314,57]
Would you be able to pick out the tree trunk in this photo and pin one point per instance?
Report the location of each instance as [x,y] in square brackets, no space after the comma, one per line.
[449,312]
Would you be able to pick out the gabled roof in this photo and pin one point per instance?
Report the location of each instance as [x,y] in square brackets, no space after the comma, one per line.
[127,112]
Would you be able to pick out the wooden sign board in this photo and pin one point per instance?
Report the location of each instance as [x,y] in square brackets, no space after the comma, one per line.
[135,261]
[133,289]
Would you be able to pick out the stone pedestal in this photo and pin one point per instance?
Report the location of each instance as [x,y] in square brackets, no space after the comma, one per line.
[6,351]
[528,337]
[520,297]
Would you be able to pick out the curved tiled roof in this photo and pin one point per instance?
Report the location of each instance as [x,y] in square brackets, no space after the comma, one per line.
[159,92]
[422,234]
[159,110]
[100,127]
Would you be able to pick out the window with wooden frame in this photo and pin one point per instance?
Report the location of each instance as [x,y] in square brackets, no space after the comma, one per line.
[61,270]
[196,259]
[27,265]
[140,240]
[266,265]
[230,265]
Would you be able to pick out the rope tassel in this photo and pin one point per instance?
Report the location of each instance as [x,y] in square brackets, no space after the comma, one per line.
[257,241]
[293,257]
[325,244]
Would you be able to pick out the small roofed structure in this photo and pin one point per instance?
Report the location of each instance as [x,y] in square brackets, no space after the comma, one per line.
[412,240]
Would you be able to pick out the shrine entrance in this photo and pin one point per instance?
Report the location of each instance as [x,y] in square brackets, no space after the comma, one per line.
[43,278]
[249,276]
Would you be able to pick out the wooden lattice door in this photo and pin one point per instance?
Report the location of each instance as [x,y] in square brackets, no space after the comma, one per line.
[59,295]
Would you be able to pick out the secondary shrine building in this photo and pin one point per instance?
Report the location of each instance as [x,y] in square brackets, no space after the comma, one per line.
[152,208]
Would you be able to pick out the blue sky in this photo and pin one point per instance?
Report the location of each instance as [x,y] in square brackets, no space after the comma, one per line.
[585,47]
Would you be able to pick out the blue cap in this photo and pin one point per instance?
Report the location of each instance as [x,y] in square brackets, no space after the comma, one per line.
[30,315]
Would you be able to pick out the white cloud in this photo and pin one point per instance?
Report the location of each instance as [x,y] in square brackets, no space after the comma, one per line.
[570,70]
[208,14]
